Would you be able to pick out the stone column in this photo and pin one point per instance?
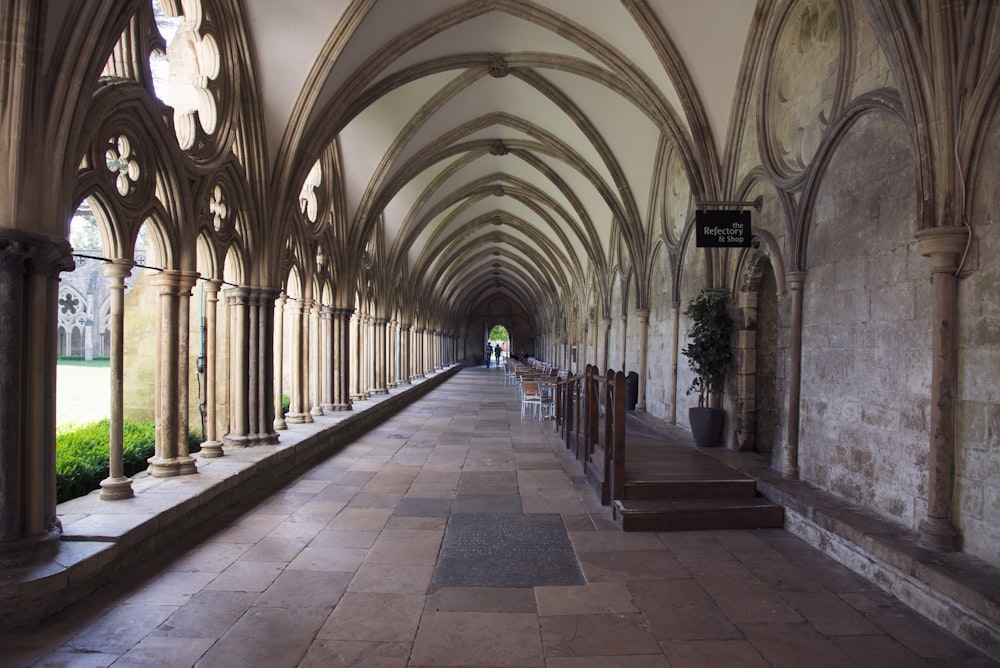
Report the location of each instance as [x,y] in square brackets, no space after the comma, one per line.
[238,301]
[342,359]
[790,453]
[315,360]
[326,345]
[186,281]
[944,246]
[624,342]
[355,358]
[393,353]
[170,458]
[418,352]
[405,371]
[606,333]
[643,316]
[116,485]
[675,328]
[29,293]
[262,368]
[381,365]
[298,411]
[211,447]
[279,356]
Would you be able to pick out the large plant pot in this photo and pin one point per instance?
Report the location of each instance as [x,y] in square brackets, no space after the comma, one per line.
[706,425]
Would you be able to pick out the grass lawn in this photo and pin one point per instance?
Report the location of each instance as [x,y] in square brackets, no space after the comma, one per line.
[83,391]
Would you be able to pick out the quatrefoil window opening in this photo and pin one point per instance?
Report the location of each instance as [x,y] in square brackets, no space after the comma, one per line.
[217,207]
[121,162]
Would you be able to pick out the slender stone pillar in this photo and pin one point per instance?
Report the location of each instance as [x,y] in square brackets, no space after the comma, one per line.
[392,340]
[262,368]
[238,301]
[298,411]
[315,360]
[116,485]
[405,339]
[790,453]
[279,357]
[170,457]
[944,246]
[418,353]
[355,357]
[624,342]
[379,335]
[606,334]
[342,359]
[643,316]
[211,447]
[29,293]
[675,328]
[326,346]
[186,280]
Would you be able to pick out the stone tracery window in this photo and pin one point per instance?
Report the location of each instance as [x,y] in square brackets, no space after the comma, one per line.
[308,200]
[121,162]
[217,207]
[182,76]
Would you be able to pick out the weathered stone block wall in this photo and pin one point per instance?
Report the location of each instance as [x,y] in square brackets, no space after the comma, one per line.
[661,339]
[142,321]
[977,511]
[866,328]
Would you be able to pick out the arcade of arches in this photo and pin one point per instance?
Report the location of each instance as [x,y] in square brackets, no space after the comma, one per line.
[345,195]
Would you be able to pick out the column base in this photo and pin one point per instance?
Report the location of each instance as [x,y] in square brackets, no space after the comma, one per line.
[316,411]
[298,418]
[341,407]
[171,467]
[211,449]
[113,489]
[30,550]
[939,535]
[279,424]
[380,390]
[263,439]
[233,441]
[358,397]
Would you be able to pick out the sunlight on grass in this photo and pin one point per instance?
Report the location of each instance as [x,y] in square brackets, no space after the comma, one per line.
[83,392]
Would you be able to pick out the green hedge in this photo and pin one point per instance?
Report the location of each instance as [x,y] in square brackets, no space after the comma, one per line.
[82,454]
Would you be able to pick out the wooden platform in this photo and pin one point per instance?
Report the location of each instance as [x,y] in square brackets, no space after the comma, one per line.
[670,485]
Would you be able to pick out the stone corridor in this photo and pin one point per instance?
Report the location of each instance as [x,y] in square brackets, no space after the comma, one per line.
[342,566]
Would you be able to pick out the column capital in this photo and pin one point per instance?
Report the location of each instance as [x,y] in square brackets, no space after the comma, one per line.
[795,279]
[237,295]
[642,314]
[944,245]
[118,268]
[39,251]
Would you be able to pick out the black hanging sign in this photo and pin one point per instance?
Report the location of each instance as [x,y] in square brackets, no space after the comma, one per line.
[722,228]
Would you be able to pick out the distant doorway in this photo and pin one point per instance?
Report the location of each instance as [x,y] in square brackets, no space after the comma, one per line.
[497,346]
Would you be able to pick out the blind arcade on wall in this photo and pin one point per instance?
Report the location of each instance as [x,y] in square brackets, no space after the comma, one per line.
[723,228]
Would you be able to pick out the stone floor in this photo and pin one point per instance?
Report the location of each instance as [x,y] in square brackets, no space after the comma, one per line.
[341,567]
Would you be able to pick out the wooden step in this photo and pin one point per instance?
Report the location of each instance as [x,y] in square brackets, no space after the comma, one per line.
[699,514]
[738,486]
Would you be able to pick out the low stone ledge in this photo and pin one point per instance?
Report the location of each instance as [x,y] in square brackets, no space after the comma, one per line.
[102,538]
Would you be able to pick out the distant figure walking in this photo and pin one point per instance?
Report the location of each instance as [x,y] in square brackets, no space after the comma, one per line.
[496,353]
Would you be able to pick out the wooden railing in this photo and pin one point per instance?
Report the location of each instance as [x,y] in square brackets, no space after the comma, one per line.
[590,414]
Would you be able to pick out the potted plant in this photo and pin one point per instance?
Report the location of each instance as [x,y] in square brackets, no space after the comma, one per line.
[709,353]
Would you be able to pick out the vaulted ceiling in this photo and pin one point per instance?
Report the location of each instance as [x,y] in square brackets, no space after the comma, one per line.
[502,144]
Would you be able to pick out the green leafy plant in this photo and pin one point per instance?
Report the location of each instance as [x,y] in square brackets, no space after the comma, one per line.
[709,349]
[82,454]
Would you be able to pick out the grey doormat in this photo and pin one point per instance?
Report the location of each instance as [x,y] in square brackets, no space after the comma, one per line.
[506,550]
